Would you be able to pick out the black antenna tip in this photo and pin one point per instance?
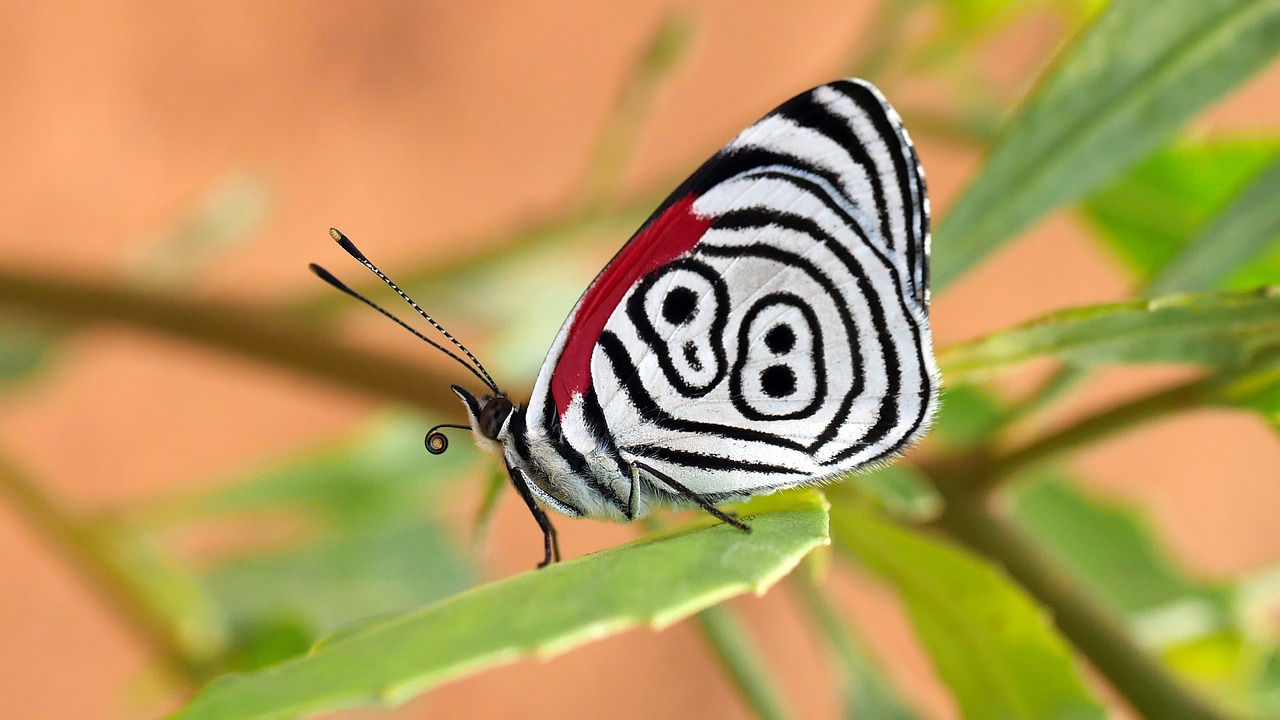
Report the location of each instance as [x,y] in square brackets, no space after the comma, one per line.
[328,277]
[345,243]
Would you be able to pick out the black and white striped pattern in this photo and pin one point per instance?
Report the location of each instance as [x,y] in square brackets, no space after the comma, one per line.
[789,346]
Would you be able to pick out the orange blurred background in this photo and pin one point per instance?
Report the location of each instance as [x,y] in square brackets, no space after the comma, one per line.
[411,125]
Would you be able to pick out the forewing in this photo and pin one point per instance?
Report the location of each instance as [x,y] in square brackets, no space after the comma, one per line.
[768,325]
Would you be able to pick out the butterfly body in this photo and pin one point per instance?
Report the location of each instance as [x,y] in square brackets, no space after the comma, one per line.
[767,327]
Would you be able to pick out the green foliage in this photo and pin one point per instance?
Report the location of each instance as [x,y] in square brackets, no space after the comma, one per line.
[652,582]
[342,585]
[1108,547]
[1149,216]
[1224,329]
[360,537]
[741,661]
[1203,628]
[1128,82]
[992,645]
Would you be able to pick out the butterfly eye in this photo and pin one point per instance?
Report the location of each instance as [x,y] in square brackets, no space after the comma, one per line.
[495,413]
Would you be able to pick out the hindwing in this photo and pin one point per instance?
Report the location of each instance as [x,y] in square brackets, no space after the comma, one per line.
[768,325]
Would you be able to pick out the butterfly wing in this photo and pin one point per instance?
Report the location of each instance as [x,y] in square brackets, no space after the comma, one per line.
[768,325]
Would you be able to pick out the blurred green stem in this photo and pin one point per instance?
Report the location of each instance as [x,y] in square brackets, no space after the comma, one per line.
[1089,625]
[886,40]
[86,544]
[866,690]
[613,153]
[741,661]
[1090,429]
[248,331]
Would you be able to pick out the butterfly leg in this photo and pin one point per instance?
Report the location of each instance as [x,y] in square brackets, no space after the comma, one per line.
[550,542]
[695,497]
[634,498]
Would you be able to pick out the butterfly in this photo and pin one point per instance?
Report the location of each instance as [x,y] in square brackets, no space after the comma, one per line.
[767,327]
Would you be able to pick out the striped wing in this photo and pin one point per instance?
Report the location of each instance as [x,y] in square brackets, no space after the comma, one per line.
[768,325]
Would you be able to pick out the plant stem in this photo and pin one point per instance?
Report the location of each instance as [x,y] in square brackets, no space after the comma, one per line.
[616,146]
[85,544]
[251,332]
[1088,624]
[868,693]
[741,661]
[1095,427]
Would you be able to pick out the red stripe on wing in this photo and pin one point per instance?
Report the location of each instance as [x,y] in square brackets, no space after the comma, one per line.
[671,235]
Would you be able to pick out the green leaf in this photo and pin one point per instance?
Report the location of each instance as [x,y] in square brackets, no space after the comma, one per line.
[337,578]
[354,532]
[1149,215]
[899,490]
[966,22]
[1239,234]
[1112,550]
[967,414]
[1200,628]
[496,482]
[1256,388]
[991,644]
[655,582]
[1127,83]
[1225,328]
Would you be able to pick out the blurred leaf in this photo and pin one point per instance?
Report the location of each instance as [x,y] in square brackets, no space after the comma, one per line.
[963,23]
[1148,216]
[740,659]
[1226,664]
[899,489]
[1127,83]
[373,543]
[1266,688]
[26,344]
[666,48]
[316,586]
[656,581]
[992,645]
[226,218]
[868,694]
[1197,625]
[1112,550]
[967,414]
[386,472]
[519,349]
[170,592]
[1247,227]
[1223,328]
[1257,388]
[496,482]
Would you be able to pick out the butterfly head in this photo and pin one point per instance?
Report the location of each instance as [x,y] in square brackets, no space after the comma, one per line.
[490,417]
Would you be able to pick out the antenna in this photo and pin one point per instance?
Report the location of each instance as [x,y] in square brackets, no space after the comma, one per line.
[354,252]
[328,277]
